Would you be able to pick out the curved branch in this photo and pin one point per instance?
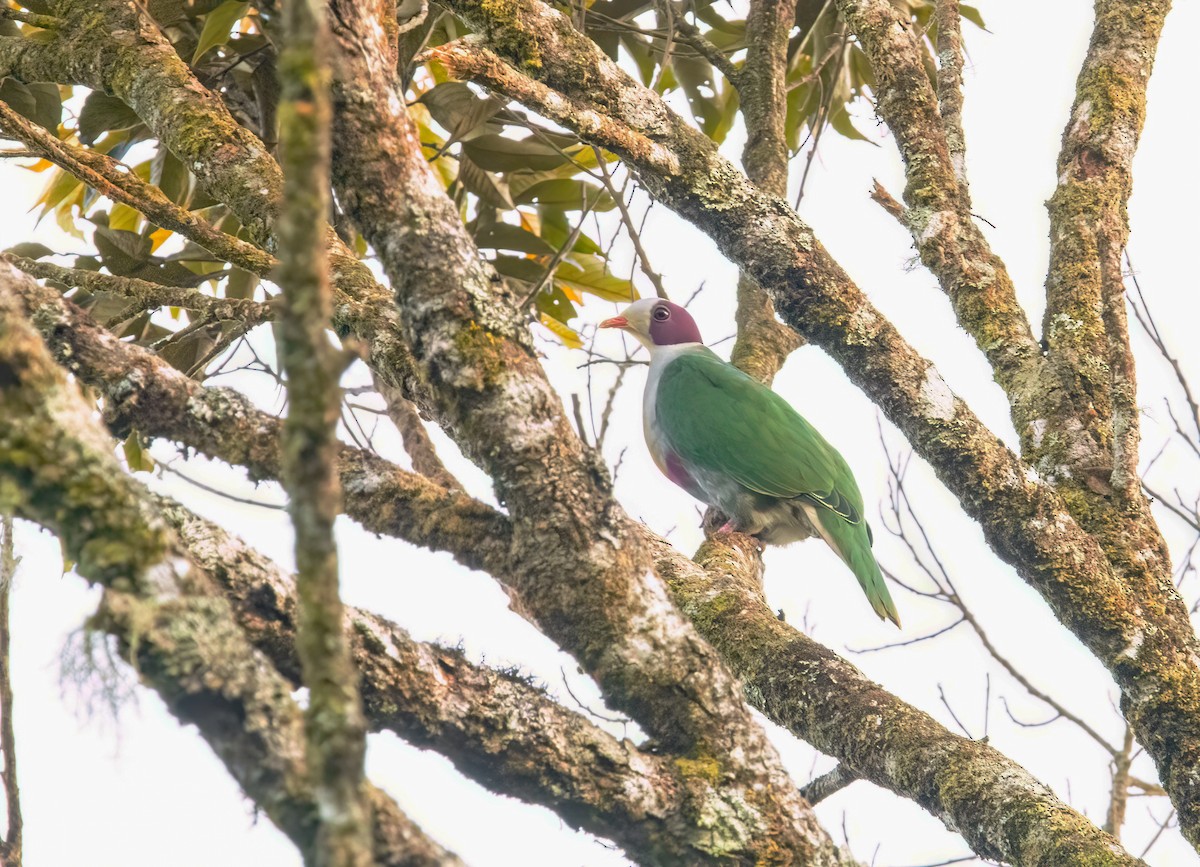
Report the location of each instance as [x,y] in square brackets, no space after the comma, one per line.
[938,214]
[1122,609]
[496,727]
[1002,811]
[585,578]
[142,391]
[59,471]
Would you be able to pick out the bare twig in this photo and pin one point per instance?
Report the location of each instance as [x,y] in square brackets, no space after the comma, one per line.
[635,236]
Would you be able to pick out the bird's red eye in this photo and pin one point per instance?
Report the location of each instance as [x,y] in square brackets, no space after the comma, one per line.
[662,314]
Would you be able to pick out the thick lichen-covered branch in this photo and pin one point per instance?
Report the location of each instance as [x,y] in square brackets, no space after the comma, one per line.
[57,469]
[105,175]
[334,728]
[229,162]
[141,391]
[610,612]
[999,808]
[1138,630]
[950,90]
[1085,326]
[496,727]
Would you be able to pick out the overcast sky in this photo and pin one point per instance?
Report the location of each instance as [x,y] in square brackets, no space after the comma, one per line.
[145,790]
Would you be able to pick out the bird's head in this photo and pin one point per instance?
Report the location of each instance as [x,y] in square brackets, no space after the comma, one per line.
[656,322]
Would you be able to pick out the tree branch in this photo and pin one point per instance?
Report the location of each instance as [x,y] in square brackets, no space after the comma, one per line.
[11,848]
[228,161]
[814,693]
[496,727]
[938,215]
[468,334]
[109,178]
[150,296]
[1085,324]
[1136,624]
[950,91]
[141,391]
[334,728]
[59,471]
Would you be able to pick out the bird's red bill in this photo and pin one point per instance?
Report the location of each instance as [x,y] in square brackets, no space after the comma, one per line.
[615,322]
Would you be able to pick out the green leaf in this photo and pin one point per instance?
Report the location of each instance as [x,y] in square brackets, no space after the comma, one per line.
[489,187]
[30,250]
[972,14]
[839,119]
[592,276]
[526,270]
[241,284]
[556,229]
[123,252]
[496,153]
[569,194]
[124,218]
[101,113]
[555,304]
[169,175]
[137,458]
[38,102]
[505,236]
[217,26]
[457,109]
[62,188]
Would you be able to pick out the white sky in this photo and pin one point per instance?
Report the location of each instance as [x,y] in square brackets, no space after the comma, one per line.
[146,790]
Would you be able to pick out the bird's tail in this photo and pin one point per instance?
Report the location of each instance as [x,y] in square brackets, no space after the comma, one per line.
[852,542]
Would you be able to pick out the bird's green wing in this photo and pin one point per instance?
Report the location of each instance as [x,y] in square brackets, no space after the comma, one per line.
[717,418]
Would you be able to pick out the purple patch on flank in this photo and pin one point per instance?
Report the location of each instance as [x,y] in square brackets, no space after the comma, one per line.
[677,473]
[678,327]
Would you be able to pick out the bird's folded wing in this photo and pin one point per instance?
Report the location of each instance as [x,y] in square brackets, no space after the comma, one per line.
[720,420]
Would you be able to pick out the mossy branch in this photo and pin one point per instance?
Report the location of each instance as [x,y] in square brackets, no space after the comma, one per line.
[109,178]
[763,343]
[1138,629]
[335,730]
[146,295]
[1000,809]
[57,469]
[613,616]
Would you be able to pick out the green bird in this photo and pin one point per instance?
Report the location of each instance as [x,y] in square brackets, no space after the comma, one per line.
[734,444]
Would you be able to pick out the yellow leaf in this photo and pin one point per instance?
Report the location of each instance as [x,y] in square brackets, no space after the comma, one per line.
[39,166]
[124,218]
[157,237]
[571,292]
[530,222]
[564,333]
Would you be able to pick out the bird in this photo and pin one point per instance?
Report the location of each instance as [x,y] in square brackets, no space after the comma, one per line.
[734,444]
